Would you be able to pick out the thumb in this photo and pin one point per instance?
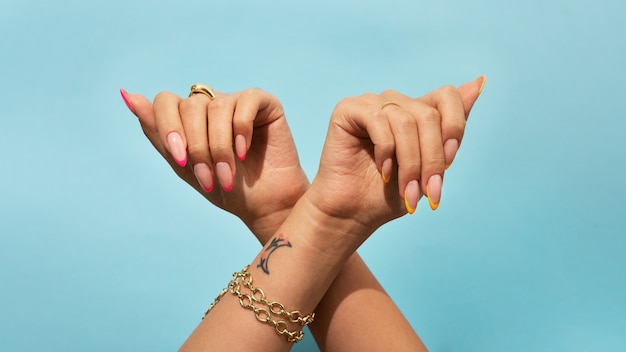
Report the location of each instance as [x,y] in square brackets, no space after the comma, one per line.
[470,92]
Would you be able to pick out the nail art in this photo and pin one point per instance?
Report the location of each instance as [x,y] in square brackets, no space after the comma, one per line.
[204,176]
[449,150]
[433,188]
[177,148]
[411,196]
[130,106]
[240,147]
[385,170]
[225,175]
[482,85]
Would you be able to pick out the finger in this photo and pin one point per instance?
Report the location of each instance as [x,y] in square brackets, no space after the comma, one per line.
[247,109]
[193,113]
[454,106]
[365,119]
[470,92]
[220,127]
[448,101]
[141,107]
[432,154]
[170,127]
[405,133]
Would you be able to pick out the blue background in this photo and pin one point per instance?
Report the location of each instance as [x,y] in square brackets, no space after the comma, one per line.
[102,248]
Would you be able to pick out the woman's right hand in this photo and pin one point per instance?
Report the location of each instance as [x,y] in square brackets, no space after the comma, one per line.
[383,152]
[199,138]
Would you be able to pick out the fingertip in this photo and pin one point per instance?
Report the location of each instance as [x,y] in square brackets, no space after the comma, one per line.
[471,91]
[386,169]
[241,147]
[483,80]
[126,99]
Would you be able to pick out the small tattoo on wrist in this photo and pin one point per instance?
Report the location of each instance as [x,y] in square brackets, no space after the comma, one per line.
[277,242]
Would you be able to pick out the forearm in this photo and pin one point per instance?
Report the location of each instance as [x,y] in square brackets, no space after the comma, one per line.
[356,311]
[297,276]
[356,314]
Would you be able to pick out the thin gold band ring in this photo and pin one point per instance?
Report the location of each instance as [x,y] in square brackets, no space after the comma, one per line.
[388,103]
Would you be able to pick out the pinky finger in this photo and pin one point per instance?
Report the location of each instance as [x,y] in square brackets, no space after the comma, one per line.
[248,103]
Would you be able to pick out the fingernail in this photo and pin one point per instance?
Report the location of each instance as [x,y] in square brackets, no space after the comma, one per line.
[484,78]
[225,175]
[433,191]
[411,196]
[240,146]
[385,170]
[449,150]
[204,176]
[177,148]
[130,106]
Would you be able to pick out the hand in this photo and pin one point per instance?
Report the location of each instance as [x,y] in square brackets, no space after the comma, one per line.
[196,136]
[373,137]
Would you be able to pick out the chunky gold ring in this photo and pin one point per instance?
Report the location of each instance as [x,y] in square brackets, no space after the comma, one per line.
[388,103]
[200,88]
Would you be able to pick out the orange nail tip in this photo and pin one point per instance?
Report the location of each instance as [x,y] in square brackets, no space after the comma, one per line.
[482,86]
[409,209]
[382,175]
[433,206]
[448,166]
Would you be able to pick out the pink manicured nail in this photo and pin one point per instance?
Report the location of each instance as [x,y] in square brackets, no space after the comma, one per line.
[130,106]
[433,191]
[225,175]
[411,196]
[240,146]
[177,148]
[385,170]
[204,176]
[449,150]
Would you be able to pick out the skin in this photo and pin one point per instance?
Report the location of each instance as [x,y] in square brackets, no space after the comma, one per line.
[359,131]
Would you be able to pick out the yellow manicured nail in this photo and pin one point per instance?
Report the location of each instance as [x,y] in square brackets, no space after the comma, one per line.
[482,85]
[411,196]
[385,170]
[434,188]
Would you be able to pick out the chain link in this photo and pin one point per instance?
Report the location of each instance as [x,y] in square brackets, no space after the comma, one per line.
[263,315]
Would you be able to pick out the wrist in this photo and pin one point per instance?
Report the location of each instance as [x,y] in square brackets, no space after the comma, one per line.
[331,233]
[264,224]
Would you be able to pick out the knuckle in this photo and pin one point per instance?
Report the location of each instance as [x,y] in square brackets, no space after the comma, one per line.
[250,93]
[386,146]
[197,150]
[163,96]
[220,103]
[346,103]
[404,120]
[219,150]
[431,115]
[413,167]
[368,96]
[192,103]
[437,162]
[456,129]
[388,92]
[448,90]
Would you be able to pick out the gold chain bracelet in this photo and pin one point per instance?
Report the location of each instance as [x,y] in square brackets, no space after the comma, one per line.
[263,315]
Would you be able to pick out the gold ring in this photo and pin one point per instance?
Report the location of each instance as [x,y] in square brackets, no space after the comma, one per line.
[388,103]
[200,88]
